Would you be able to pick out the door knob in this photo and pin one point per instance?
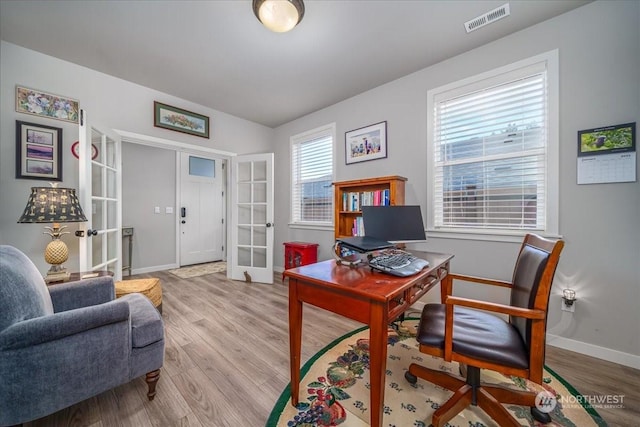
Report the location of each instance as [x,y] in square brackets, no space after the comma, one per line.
[92,233]
[270,225]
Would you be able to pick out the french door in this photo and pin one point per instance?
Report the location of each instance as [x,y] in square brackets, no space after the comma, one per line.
[251,255]
[101,199]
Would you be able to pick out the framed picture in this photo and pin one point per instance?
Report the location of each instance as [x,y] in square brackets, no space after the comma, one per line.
[607,140]
[38,151]
[39,103]
[173,118]
[367,143]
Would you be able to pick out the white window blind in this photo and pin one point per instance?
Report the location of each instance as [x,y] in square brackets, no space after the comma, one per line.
[311,177]
[490,153]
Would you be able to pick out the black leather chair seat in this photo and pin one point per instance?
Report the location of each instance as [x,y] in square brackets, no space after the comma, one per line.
[476,334]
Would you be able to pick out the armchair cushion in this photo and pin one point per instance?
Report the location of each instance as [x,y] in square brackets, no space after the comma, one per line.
[471,327]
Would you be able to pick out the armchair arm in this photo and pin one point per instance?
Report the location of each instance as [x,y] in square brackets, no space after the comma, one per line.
[44,329]
[82,293]
[482,280]
[496,308]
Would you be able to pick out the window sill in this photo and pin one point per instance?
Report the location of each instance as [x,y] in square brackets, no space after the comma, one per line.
[488,236]
[306,226]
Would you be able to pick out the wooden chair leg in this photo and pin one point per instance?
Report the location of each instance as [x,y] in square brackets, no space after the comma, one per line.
[437,377]
[456,403]
[495,410]
[506,395]
[152,379]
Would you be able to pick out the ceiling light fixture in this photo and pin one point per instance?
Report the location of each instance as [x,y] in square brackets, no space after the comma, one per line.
[279,16]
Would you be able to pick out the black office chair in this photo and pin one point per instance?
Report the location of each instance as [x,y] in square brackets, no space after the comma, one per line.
[478,340]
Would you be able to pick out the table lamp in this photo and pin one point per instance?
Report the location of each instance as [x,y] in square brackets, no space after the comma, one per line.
[54,205]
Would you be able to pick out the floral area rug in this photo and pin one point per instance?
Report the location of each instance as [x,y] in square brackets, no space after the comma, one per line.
[334,390]
[199,269]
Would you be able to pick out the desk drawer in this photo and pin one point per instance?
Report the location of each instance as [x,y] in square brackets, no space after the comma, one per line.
[398,304]
[419,289]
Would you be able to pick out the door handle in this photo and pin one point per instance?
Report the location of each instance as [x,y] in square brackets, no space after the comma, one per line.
[270,225]
[92,233]
[183,213]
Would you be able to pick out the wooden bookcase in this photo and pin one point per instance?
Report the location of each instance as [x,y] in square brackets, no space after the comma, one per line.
[350,195]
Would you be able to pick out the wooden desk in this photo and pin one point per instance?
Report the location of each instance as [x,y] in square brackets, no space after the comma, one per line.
[366,296]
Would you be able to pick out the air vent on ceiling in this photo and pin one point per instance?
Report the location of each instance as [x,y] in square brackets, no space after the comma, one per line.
[487,18]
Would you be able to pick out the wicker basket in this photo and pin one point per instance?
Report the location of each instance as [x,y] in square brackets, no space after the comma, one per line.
[151,288]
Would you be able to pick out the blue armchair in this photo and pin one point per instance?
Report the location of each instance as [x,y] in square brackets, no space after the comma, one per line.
[62,344]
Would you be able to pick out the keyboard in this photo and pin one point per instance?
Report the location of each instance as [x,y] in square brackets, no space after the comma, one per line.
[397,263]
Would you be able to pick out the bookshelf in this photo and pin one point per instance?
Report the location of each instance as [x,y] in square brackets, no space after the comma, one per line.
[350,195]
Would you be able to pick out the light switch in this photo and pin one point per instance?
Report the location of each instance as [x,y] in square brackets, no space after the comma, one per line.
[156,209]
[168,210]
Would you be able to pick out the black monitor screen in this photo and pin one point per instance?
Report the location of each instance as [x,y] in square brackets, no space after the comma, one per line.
[393,223]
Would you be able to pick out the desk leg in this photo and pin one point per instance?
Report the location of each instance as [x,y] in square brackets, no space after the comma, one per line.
[446,286]
[295,339]
[378,333]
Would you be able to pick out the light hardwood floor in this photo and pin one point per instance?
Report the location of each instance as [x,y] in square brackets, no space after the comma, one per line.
[227,361]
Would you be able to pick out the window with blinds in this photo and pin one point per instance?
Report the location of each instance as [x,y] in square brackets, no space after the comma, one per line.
[490,150]
[311,176]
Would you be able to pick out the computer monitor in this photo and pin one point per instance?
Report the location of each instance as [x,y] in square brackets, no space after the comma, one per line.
[393,223]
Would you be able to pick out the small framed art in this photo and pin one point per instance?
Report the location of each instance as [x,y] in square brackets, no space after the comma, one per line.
[173,118]
[38,151]
[367,143]
[43,104]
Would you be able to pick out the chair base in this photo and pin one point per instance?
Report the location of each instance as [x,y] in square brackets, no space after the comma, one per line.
[472,392]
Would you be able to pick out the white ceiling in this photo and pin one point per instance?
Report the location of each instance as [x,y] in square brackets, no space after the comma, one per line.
[217,54]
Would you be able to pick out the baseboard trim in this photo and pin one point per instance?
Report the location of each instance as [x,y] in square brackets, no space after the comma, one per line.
[615,356]
[592,350]
[152,269]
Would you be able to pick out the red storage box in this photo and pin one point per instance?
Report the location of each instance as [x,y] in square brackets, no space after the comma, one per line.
[299,253]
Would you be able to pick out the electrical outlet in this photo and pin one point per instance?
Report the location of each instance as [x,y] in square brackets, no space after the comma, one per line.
[570,308]
[168,210]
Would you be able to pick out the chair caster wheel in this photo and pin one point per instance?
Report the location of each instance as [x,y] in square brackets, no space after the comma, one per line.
[411,379]
[538,415]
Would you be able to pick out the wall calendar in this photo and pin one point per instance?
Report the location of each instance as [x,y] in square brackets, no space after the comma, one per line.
[607,154]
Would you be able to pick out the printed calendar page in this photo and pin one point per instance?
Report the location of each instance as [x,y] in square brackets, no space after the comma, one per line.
[619,167]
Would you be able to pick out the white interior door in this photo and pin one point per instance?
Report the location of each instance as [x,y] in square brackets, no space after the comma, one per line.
[251,253]
[201,211]
[101,199]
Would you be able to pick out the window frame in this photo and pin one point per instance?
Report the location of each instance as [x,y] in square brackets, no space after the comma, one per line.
[488,79]
[326,130]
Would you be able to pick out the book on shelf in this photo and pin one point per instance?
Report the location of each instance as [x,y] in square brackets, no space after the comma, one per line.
[353,201]
[358,227]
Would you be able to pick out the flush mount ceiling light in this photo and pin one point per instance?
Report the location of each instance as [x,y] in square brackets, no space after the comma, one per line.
[279,16]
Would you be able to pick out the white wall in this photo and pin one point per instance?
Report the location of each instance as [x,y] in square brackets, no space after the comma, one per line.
[110,103]
[144,188]
[599,49]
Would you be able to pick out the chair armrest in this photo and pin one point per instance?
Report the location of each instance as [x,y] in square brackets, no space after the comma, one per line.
[497,308]
[82,293]
[482,280]
[59,325]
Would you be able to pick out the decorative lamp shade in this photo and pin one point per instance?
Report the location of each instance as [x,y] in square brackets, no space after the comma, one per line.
[279,16]
[52,205]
